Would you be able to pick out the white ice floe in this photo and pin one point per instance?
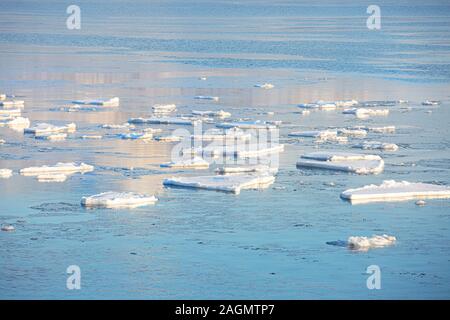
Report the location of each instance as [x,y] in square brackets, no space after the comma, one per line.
[195,163]
[207,98]
[117,126]
[16,123]
[348,132]
[136,136]
[420,203]
[364,243]
[165,120]
[255,150]
[346,103]
[254,168]
[12,103]
[170,138]
[431,103]
[60,167]
[331,138]
[217,114]
[10,112]
[227,183]
[43,128]
[202,78]
[364,113]
[230,134]
[391,190]
[113,102]
[5,173]
[342,161]
[376,145]
[265,86]
[52,136]
[320,105]
[113,199]
[90,136]
[2,141]
[385,129]
[8,228]
[164,108]
[2,96]
[258,124]
[314,134]
[54,177]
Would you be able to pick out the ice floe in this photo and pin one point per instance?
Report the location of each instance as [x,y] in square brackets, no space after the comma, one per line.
[349,132]
[217,114]
[195,163]
[51,177]
[16,123]
[230,134]
[43,128]
[376,145]
[113,102]
[214,98]
[391,190]
[5,173]
[92,137]
[431,103]
[52,136]
[364,113]
[365,243]
[12,103]
[258,124]
[342,161]
[136,136]
[227,183]
[255,150]
[169,138]
[10,112]
[265,86]
[164,108]
[385,129]
[117,126]
[314,134]
[251,168]
[113,199]
[320,105]
[60,167]
[165,120]
[8,228]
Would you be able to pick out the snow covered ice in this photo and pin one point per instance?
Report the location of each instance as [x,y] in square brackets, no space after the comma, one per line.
[391,190]
[113,102]
[214,98]
[227,183]
[60,167]
[365,113]
[113,199]
[365,243]
[246,125]
[5,173]
[250,168]
[265,86]
[218,114]
[164,120]
[53,177]
[376,145]
[45,128]
[164,108]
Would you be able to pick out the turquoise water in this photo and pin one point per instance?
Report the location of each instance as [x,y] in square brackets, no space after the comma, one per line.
[201,244]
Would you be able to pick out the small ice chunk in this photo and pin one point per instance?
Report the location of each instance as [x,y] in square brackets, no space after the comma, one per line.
[346,103]
[231,134]
[2,96]
[255,150]
[254,168]
[12,103]
[113,102]
[431,103]
[113,199]
[10,112]
[136,136]
[420,203]
[55,177]
[265,86]
[164,108]
[60,167]
[246,125]
[339,156]
[18,122]
[217,114]
[164,120]
[207,98]
[8,228]
[331,138]
[43,128]
[93,137]
[391,190]
[5,173]
[319,105]
[117,126]
[227,183]
[170,138]
[352,132]
[314,133]
[2,141]
[376,145]
[364,243]
[385,129]
[196,163]
[202,78]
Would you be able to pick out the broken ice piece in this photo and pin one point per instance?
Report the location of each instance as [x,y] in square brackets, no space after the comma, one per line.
[254,168]
[10,112]
[94,137]
[12,103]
[195,163]
[246,125]
[136,136]
[219,114]
[227,183]
[69,167]
[352,132]
[5,173]
[207,98]
[164,108]
[8,228]
[265,86]
[431,103]
[52,136]
[164,120]
[376,145]
[364,243]
[113,102]
[314,133]
[169,138]
[43,128]
[117,126]
[18,122]
[113,199]
[391,190]
[363,112]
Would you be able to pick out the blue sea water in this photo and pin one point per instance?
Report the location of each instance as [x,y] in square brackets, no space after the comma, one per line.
[268,244]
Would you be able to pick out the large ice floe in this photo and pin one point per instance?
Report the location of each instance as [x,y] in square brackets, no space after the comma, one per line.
[365,113]
[376,145]
[216,114]
[113,102]
[256,150]
[343,161]
[352,132]
[365,243]
[5,173]
[214,98]
[113,199]
[258,124]
[227,183]
[45,128]
[391,190]
[60,167]
[164,108]
[194,163]
[165,120]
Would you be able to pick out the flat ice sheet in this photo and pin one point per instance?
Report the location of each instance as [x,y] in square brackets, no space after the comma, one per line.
[376,145]
[113,102]
[60,167]
[241,169]
[196,163]
[226,183]
[355,166]
[164,120]
[246,125]
[43,128]
[339,156]
[113,199]
[391,190]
